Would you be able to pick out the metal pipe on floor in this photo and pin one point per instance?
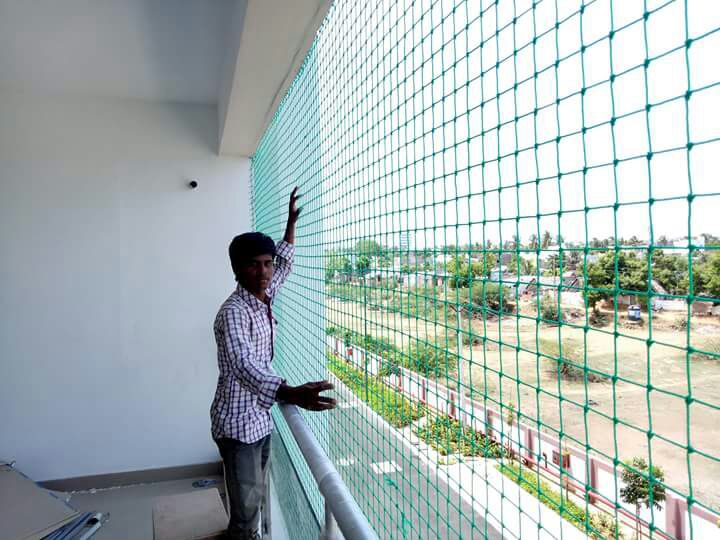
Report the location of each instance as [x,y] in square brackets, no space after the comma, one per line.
[338,500]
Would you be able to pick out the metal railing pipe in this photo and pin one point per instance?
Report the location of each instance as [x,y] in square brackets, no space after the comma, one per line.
[338,500]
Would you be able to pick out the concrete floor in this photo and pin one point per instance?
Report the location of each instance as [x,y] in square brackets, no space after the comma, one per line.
[130,508]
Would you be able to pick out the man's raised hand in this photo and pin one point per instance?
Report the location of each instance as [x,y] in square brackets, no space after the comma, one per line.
[293,214]
[294,211]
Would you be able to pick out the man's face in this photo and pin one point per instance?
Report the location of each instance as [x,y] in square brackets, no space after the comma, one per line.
[256,273]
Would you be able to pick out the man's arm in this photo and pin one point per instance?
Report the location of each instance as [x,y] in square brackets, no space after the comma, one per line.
[284,255]
[262,382]
[265,383]
[286,249]
[293,215]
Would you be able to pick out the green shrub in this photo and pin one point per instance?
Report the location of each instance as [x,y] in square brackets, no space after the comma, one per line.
[510,413]
[430,359]
[549,310]
[598,318]
[447,436]
[387,402]
[599,526]
[528,480]
[380,346]
[389,367]
[680,323]
[569,364]
[487,299]
[709,349]
[605,527]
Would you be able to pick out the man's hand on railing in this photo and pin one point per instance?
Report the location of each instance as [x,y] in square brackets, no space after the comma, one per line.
[307,396]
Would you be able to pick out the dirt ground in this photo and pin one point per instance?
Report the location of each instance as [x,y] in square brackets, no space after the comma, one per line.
[649,395]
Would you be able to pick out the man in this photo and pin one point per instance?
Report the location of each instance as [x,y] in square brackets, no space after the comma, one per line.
[247,385]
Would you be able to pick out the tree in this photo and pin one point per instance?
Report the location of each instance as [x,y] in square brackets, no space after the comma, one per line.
[708,275]
[459,272]
[486,297]
[515,262]
[362,264]
[671,272]
[574,260]
[462,272]
[711,239]
[546,239]
[642,486]
[369,248]
[489,261]
[553,265]
[632,275]
[509,245]
[533,242]
[384,261]
[492,297]
[336,264]
[527,265]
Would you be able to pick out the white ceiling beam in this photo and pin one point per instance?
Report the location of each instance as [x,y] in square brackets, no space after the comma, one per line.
[268,52]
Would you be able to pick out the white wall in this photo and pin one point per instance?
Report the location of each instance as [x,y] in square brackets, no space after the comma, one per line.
[111,272]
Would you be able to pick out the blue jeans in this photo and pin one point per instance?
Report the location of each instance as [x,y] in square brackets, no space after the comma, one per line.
[245,480]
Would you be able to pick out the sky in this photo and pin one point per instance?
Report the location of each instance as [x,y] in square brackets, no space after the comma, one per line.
[412,128]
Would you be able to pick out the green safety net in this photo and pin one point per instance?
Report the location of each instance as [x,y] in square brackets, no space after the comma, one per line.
[508,263]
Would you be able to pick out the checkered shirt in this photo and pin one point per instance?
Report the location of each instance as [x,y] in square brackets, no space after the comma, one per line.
[245,338]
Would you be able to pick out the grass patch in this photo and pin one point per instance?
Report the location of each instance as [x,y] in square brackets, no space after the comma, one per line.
[597,526]
[447,436]
[388,403]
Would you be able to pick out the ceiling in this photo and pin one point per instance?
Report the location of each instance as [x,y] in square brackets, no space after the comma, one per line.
[240,55]
[168,50]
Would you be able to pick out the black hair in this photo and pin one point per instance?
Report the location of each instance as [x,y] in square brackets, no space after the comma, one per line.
[248,245]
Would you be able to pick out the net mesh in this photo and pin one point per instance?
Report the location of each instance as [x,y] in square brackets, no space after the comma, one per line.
[508,263]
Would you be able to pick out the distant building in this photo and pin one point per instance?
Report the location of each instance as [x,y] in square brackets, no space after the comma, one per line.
[531,286]
[424,279]
[498,273]
[443,258]
[406,241]
[680,245]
